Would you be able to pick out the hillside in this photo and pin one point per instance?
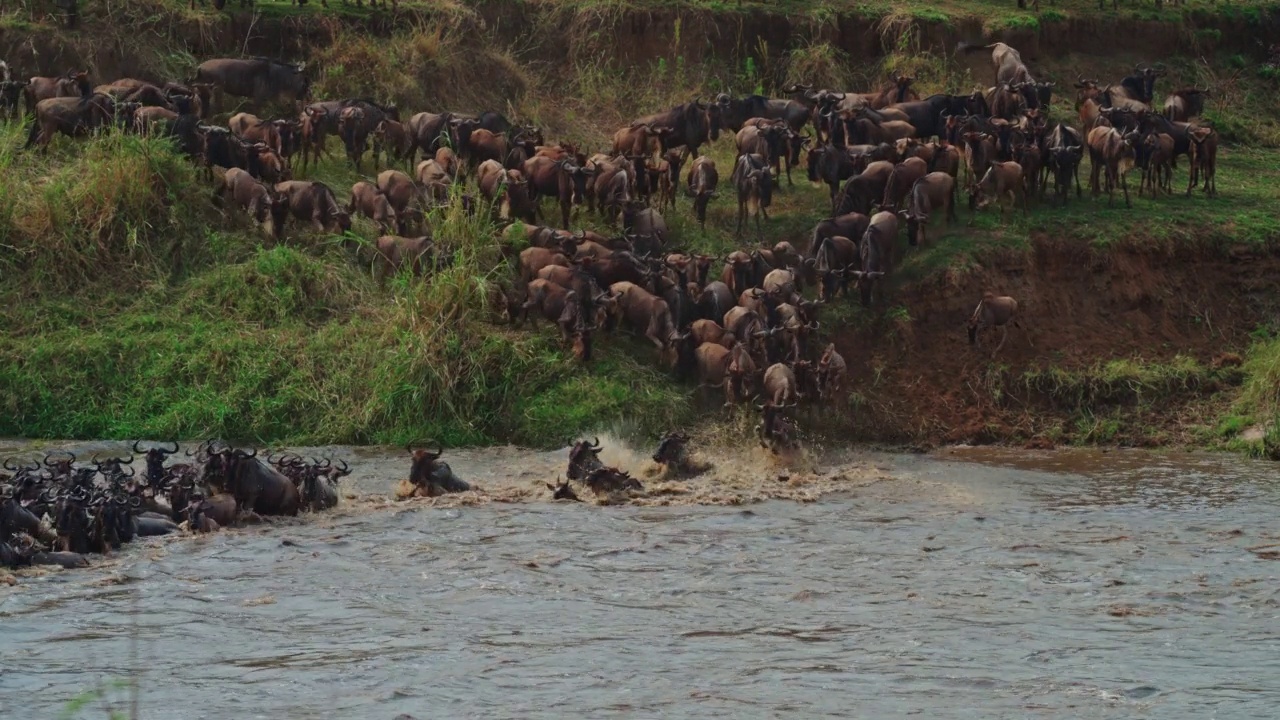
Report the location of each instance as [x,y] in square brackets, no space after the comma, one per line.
[134,308]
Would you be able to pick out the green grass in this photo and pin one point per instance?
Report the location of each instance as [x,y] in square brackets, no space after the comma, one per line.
[133,308]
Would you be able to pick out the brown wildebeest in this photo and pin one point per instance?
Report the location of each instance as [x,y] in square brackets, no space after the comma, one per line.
[901,180]
[737,274]
[1006,63]
[435,181]
[254,129]
[563,179]
[1204,160]
[876,253]
[1113,151]
[1002,181]
[937,189]
[646,314]
[850,225]
[668,170]
[1158,174]
[889,131]
[314,202]
[392,138]
[368,200]
[351,124]
[509,189]
[704,331]
[833,262]
[71,116]
[553,302]
[401,193]
[262,203]
[43,88]
[393,252]
[258,78]
[780,387]
[147,119]
[754,184]
[993,311]
[831,371]
[979,153]
[534,259]
[713,368]
[1183,105]
[639,140]
[702,181]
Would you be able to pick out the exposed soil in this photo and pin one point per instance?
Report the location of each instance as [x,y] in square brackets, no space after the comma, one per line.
[1078,308]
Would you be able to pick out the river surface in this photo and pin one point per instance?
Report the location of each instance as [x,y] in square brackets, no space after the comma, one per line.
[965,584]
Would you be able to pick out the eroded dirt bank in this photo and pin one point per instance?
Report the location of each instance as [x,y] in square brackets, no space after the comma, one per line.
[1143,335]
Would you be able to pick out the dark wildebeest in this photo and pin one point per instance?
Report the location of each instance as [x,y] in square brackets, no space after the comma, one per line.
[262,79]
[734,112]
[1064,145]
[1204,160]
[850,225]
[1140,86]
[937,189]
[702,180]
[392,138]
[429,132]
[832,261]
[876,253]
[432,476]
[255,485]
[901,180]
[584,458]
[609,480]
[993,312]
[775,431]
[692,125]
[262,203]
[562,491]
[754,184]
[864,189]
[314,202]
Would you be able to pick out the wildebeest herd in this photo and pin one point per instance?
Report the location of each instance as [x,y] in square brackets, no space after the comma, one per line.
[56,510]
[737,322]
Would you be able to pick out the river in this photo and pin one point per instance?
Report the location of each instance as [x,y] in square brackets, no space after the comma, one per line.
[969,583]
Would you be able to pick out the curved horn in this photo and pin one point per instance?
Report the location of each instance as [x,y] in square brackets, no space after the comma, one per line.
[596,445]
[136,448]
[170,452]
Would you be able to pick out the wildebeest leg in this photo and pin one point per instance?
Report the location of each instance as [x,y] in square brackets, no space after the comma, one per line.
[1124,185]
[742,213]
[1004,335]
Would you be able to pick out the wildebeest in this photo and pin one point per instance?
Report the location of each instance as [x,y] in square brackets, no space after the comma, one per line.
[833,260]
[393,252]
[262,79]
[70,116]
[508,189]
[584,458]
[864,189]
[831,371]
[1003,181]
[432,476]
[1183,105]
[1006,63]
[876,253]
[754,184]
[1113,151]
[368,200]
[562,491]
[692,125]
[991,312]
[775,431]
[702,181]
[937,189]
[72,84]
[562,179]
[402,194]
[646,314]
[609,480]
[255,485]
[1204,160]
[314,202]
[254,129]
[262,203]
[901,180]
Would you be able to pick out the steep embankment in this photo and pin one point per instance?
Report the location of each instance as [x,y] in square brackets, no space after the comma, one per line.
[131,307]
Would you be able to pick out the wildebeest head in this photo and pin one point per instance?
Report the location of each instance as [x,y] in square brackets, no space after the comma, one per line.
[562,491]
[155,460]
[61,466]
[584,458]
[672,449]
[424,463]
[775,429]
[901,87]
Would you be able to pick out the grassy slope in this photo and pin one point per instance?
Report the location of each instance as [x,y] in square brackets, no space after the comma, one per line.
[142,312]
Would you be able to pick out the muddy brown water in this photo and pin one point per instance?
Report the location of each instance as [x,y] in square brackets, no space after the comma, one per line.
[965,584]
